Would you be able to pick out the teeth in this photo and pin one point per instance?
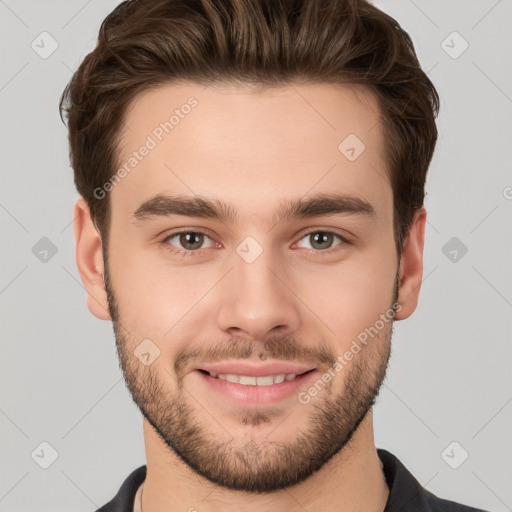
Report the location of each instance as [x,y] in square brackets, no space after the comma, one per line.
[264,381]
[254,381]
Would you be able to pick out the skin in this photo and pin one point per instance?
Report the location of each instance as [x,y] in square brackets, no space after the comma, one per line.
[254,148]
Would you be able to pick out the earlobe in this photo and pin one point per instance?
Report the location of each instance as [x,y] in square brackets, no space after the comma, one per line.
[411,266]
[89,260]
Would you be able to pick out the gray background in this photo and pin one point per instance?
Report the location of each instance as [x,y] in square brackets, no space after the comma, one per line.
[450,378]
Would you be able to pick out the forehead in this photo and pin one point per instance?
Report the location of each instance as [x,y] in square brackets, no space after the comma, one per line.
[252,147]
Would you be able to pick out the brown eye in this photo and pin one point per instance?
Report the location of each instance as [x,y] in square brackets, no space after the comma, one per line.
[191,241]
[186,243]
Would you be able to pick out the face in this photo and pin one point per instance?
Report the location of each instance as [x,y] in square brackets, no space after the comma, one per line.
[249,255]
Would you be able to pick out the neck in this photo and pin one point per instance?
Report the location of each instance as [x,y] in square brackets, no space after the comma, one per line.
[353,479]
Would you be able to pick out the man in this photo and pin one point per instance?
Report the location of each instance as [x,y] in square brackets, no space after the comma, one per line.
[252,176]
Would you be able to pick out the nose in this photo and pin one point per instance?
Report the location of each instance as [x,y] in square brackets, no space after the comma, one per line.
[257,299]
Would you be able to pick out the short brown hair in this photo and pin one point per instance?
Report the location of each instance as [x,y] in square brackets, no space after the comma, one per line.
[146,43]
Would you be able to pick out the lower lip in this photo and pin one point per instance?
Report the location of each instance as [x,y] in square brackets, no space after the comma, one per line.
[257,395]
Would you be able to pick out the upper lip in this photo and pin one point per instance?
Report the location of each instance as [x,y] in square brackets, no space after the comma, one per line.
[256,369]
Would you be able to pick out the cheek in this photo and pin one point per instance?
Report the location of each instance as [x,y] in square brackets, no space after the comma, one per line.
[351,298]
[158,300]
[154,298]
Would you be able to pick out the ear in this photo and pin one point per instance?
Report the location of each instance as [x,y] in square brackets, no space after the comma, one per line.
[89,260]
[411,266]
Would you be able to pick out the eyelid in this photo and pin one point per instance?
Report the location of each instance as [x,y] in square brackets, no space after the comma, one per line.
[173,234]
[343,234]
[343,240]
[187,252]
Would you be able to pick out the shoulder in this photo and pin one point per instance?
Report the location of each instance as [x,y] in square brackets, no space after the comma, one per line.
[440,505]
[125,497]
[406,493]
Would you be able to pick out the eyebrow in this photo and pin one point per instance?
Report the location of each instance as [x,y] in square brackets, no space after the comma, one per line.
[198,206]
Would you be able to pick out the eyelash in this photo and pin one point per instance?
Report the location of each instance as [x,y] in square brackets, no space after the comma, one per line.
[185,252]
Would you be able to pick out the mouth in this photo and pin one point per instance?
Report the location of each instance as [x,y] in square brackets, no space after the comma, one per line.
[261,389]
[256,380]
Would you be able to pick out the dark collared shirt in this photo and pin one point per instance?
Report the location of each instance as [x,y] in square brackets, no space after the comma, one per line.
[405,492]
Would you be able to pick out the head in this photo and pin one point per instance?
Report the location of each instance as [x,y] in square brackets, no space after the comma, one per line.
[265,123]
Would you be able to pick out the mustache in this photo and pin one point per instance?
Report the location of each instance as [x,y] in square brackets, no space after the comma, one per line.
[280,348]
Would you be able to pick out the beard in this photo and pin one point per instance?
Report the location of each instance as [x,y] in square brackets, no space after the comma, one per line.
[249,465]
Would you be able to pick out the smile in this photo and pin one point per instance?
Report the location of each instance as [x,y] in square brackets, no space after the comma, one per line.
[249,380]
